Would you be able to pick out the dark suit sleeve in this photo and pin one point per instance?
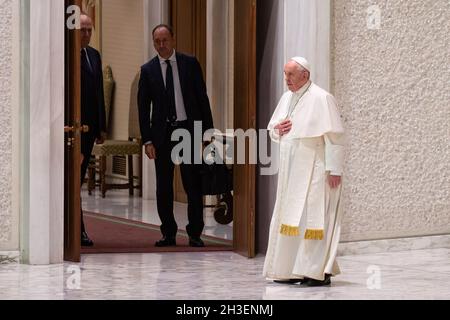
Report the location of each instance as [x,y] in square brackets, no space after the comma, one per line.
[101,97]
[144,103]
[202,97]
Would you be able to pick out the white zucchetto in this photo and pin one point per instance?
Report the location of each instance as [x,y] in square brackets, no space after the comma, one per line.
[303,62]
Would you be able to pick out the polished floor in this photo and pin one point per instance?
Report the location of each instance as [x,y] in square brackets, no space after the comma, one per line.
[419,274]
[422,274]
[119,204]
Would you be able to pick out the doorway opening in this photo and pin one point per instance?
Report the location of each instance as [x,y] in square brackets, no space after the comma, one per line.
[206,29]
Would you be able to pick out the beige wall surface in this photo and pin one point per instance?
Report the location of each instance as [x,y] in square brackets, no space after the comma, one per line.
[392,82]
[123,49]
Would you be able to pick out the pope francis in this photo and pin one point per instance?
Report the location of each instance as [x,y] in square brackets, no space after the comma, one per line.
[305,227]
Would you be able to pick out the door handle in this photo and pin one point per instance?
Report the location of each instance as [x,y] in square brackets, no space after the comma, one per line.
[70,142]
[82,129]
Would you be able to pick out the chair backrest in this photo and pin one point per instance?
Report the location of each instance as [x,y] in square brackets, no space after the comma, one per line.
[108,90]
[133,120]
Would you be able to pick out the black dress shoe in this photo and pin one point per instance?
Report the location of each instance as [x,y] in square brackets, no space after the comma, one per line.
[85,240]
[166,242]
[292,281]
[196,242]
[319,283]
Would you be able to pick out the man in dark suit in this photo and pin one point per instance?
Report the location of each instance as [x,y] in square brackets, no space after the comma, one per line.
[172,95]
[92,104]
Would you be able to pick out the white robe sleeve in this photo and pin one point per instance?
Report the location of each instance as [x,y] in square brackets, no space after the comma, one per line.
[278,116]
[334,153]
[274,136]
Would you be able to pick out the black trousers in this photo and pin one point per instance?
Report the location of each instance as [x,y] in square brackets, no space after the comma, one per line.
[87,144]
[190,174]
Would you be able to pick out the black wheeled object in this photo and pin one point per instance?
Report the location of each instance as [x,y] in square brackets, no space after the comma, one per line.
[217,180]
[224,211]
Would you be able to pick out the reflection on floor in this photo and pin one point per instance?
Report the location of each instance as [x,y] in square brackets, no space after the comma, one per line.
[119,204]
[422,274]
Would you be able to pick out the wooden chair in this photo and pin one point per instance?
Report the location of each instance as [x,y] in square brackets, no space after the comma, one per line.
[127,148]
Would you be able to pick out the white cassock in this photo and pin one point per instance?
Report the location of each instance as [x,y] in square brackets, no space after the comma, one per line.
[306,223]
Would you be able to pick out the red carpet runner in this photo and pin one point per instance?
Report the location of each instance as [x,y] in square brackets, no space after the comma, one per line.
[116,235]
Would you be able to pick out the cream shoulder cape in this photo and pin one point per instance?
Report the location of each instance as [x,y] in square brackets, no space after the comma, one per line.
[314,115]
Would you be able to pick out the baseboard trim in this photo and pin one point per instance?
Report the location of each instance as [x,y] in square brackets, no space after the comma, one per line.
[393,245]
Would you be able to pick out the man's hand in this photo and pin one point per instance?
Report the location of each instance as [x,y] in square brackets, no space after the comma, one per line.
[284,128]
[150,151]
[334,181]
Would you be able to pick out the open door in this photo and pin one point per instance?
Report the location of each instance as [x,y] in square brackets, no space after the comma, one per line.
[245,118]
[72,152]
[189,22]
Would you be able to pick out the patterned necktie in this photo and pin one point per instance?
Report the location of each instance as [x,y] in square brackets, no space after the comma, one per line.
[172,117]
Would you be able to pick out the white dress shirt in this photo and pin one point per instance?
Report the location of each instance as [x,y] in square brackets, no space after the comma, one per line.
[179,102]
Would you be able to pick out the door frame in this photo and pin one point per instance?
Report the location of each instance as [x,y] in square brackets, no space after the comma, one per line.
[244,232]
[41,37]
[72,150]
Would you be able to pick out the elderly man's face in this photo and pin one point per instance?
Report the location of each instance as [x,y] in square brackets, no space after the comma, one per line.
[295,76]
[86,30]
[164,42]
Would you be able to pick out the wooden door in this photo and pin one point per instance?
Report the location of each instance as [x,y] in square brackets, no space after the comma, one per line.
[189,25]
[72,152]
[245,118]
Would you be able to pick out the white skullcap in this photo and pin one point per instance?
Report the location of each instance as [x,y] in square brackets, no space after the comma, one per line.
[303,62]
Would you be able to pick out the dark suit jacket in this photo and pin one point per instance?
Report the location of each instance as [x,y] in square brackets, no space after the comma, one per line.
[152,94]
[92,96]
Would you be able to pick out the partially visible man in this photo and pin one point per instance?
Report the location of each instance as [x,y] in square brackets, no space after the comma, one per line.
[305,227]
[92,105]
[172,95]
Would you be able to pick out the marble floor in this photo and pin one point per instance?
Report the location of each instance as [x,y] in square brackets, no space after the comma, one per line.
[415,274]
[421,274]
[119,204]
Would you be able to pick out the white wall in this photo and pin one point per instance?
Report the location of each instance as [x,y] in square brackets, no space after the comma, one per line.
[393,87]
[9,121]
[42,123]
[307,27]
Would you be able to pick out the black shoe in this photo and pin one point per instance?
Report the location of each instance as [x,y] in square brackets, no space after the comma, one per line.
[196,242]
[166,242]
[292,281]
[85,240]
[319,283]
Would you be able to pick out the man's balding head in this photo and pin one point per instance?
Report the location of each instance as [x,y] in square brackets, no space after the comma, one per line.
[164,40]
[86,29]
